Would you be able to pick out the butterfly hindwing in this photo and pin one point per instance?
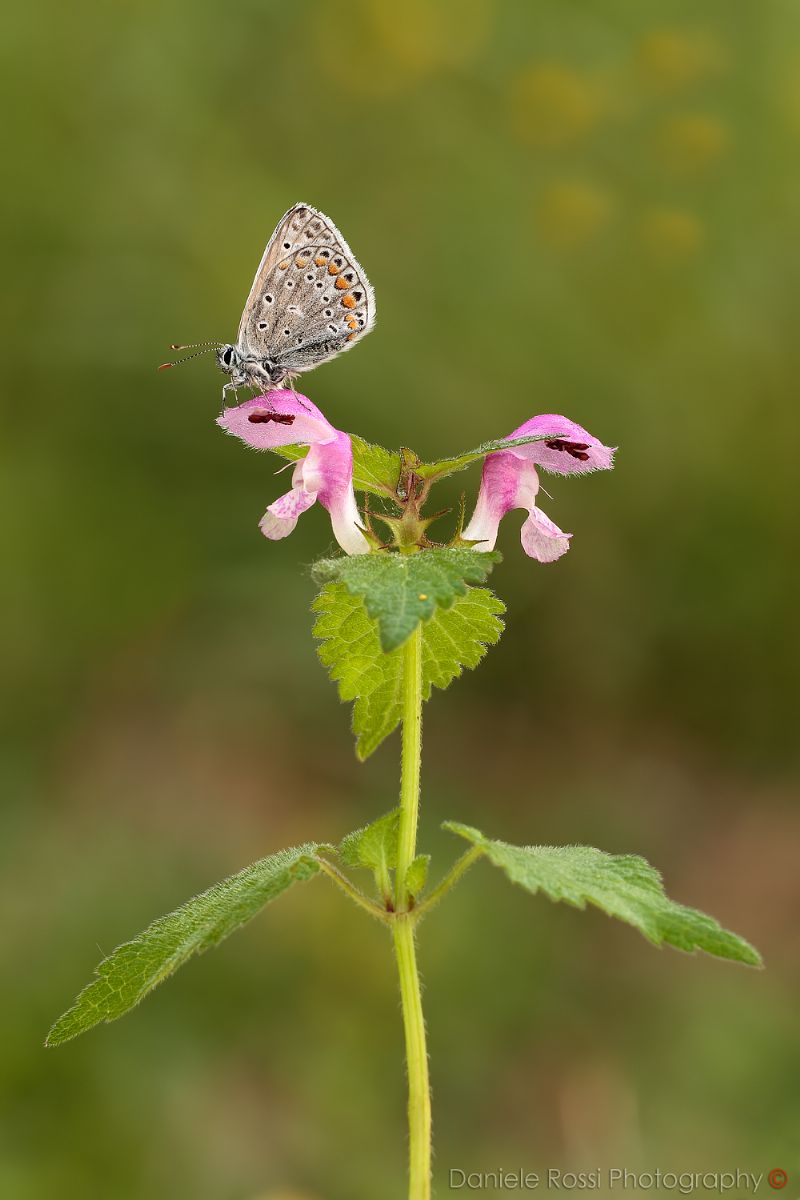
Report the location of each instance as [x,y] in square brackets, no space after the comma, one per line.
[310,298]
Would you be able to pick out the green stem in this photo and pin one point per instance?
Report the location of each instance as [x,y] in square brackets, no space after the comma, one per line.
[351,890]
[452,877]
[410,770]
[419,1098]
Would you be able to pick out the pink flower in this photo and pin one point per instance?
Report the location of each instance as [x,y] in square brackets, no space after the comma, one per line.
[285,418]
[510,480]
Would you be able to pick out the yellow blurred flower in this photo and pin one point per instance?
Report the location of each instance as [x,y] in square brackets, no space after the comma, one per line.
[571,212]
[377,48]
[790,96]
[425,35]
[672,234]
[671,59]
[692,142]
[553,105]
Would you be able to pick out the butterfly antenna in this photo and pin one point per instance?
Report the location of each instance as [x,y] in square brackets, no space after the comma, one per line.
[207,348]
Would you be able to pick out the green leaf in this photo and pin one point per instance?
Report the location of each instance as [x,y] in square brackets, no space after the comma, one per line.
[400,590]
[375,469]
[622,885]
[350,648]
[417,874]
[374,846]
[136,967]
[449,466]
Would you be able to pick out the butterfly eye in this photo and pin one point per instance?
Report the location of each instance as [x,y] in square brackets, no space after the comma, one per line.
[227,355]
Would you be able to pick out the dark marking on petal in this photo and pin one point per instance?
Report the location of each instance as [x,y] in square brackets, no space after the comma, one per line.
[574,449]
[264,418]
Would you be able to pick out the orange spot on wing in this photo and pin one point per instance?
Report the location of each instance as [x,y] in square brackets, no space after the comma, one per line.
[333,269]
[349,337]
[284,266]
[342,283]
[319,261]
[352,323]
[301,262]
[348,302]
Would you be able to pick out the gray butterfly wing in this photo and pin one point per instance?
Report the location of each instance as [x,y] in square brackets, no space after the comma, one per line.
[310,299]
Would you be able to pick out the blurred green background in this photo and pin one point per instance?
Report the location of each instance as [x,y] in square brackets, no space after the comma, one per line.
[563,207]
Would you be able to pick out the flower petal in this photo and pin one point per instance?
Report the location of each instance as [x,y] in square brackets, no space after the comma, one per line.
[329,473]
[542,539]
[497,495]
[281,517]
[258,422]
[572,450]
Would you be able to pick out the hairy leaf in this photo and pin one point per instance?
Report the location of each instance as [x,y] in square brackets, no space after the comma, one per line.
[400,590]
[136,967]
[350,648]
[622,885]
[449,466]
[417,874]
[374,846]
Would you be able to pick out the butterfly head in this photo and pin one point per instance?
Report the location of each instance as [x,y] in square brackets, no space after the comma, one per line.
[248,370]
[230,361]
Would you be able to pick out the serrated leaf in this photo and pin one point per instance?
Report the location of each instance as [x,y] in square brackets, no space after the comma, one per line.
[136,967]
[350,648]
[375,469]
[400,590]
[417,875]
[449,466]
[374,846]
[622,885]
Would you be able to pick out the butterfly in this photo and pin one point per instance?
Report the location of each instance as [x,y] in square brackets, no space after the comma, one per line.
[310,300]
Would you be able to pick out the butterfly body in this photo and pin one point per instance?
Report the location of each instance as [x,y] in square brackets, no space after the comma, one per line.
[310,300]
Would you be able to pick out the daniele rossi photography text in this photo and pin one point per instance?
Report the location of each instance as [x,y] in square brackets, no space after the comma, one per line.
[613,1179]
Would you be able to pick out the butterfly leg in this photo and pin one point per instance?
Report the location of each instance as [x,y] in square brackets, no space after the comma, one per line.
[290,384]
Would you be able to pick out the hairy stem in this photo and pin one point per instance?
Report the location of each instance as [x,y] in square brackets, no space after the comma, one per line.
[419,1099]
[450,879]
[350,889]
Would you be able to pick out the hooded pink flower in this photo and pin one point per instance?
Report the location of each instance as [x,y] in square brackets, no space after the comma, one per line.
[510,480]
[285,418]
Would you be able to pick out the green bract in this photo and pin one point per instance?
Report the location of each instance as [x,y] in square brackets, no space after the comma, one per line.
[374,846]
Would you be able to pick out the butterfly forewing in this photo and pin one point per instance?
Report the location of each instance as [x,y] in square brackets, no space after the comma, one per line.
[310,298]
